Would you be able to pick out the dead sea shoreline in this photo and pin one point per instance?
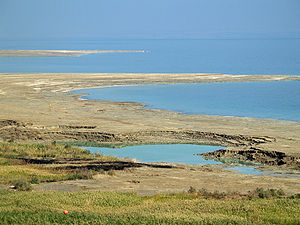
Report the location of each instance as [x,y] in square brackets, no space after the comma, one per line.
[84,93]
[39,108]
[62,83]
[131,123]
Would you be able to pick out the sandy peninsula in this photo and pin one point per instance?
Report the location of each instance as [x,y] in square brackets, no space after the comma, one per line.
[58,53]
[39,108]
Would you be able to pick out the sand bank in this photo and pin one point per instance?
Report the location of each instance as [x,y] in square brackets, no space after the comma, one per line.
[58,53]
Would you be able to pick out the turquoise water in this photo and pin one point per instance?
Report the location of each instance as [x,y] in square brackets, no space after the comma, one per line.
[244,56]
[274,99]
[245,170]
[172,153]
[177,153]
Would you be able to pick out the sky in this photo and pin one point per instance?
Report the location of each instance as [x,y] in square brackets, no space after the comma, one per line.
[22,19]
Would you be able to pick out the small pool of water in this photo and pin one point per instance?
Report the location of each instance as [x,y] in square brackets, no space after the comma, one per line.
[171,153]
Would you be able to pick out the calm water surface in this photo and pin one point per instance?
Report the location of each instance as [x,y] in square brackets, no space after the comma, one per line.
[281,56]
[177,153]
[273,99]
[173,153]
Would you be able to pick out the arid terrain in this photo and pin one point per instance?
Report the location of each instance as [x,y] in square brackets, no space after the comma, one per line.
[39,108]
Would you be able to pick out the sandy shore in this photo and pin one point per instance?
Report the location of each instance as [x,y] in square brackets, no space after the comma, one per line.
[58,53]
[38,108]
[42,103]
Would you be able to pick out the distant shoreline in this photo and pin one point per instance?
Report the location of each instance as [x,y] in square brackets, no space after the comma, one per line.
[59,53]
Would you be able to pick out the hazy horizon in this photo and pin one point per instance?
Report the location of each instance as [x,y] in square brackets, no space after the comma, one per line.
[141,19]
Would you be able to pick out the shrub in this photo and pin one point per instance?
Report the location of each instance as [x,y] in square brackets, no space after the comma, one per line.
[22,185]
[68,146]
[258,193]
[35,180]
[280,192]
[101,171]
[192,190]
[81,174]
[295,196]
[111,172]
[261,193]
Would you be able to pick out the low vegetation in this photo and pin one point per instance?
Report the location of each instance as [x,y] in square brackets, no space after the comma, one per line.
[23,185]
[258,193]
[24,206]
[124,208]
[53,150]
[13,168]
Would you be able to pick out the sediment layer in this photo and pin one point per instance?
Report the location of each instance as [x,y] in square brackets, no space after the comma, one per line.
[256,155]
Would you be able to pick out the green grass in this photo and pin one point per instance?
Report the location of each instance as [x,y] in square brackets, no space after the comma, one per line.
[11,173]
[17,150]
[97,207]
[12,168]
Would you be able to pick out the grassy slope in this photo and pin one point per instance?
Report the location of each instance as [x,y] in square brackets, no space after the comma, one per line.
[15,150]
[122,208]
[13,169]
[97,207]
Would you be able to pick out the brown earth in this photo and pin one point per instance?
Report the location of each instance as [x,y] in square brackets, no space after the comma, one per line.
[38,108]
[150,181]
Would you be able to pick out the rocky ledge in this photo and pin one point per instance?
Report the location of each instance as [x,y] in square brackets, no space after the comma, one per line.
[256,155]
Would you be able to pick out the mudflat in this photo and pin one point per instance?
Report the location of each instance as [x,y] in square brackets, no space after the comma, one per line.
[39,108]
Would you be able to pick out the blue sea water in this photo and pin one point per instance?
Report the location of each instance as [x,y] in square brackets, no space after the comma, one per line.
[277,100]
[244,56]
[177,153]
[273,99]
